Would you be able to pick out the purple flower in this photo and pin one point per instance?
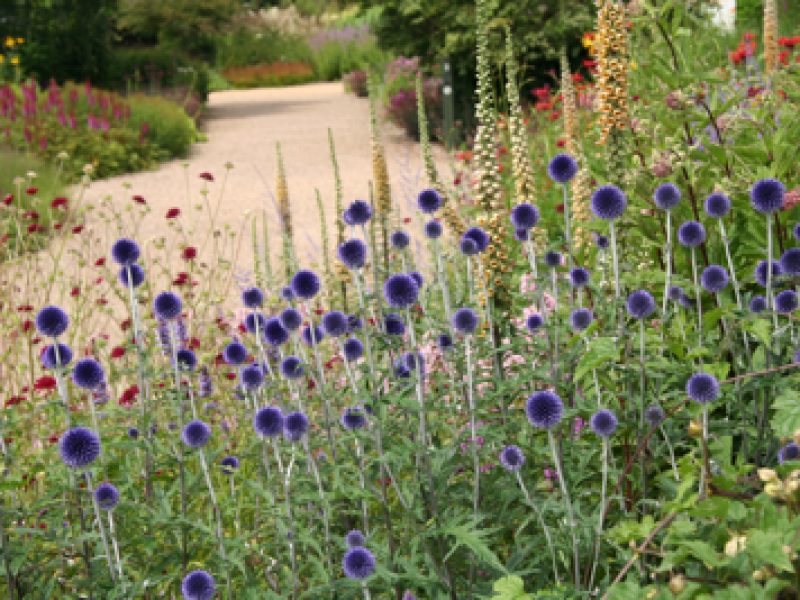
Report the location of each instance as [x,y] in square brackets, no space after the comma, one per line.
[52,359]
[399,239]
[268,421]
[291,318]
[305,284]
[234,353]
[359,212]
[429,201]
[465,321]
[353,418]
[433,229]
[88,374]
[512,458]
[524,216]
[132,276]
[761,272]
[603,423]
[354,538]
[106,495]
[79,447]
[479,236]
[580,319]
[667,196]
[786,302]
[252,297]
[295,426]
[714,279]
[335,323]
[198,585]
[641,304]
[702,388]
[608,202]
[717,205]
[790,262]
[400,290]
[52,321]
[125,252]
[544,409]
[358,563]
[562,168]
[691,234]
[353,253]
[766,195]
[196,434]
[167,306]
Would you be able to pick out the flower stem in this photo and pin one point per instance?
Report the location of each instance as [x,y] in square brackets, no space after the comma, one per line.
[567,507]
[542,524]
[697,299]
[100,526]
[473,429]
[603,500]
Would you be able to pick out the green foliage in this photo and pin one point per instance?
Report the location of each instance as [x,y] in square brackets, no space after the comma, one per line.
[246,47]
[169,127]
[333,59]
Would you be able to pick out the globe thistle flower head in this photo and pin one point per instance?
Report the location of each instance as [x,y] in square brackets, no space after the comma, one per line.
[786,302]
[433,229]
[353,418]
[758,304]
[534,322]
[479,236]
[51,321]
[790,451]
[286,293]
[253,297]
[796,232]
[414,361]
[703,388]
[667,196]
[429,201]
[132,276]
[524,216]
[654,415]
[292,367]
[399,239]
[401,371]
[604,423]
[444,341]
[417,277]
[393,324]
[766,195]
[579,277]
[229,465]
[675,293]
[106,496]
[468,247]
[691,234]
[512,458]
[353,349]
[133,433]
[79,447]
[552,259]
[358,563]
[196,434]
[641,304]
[268,421]
[312,335]
[400,290]
[305,284]
[255,322]
[608,202]
[275,333]
[354,539]
[544,409]
[88,374]
[717,205]
[251,377]
[125,252]
[335,323]
[354,323]
[234,353]
[601,241]
[359,212]
[353,253]
[580,319]
[291,318]
[198,585]
[187,361]
[52,359]
[714,278]
[521,235]
[562,168]
[465,321]
[790,262]
[760,272]
[167,306]
[295,426]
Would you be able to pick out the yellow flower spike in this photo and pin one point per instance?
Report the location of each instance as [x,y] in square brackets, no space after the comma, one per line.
[10,42]
[2,58]
[20,40]
[15,60]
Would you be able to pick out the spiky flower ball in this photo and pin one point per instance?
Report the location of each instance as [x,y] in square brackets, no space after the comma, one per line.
[579,277]
[291,318]
[268,421]
[703,388]
[562,168]
[106,495]
[229,465]
[79,447]
[667,196]
[790,451]
[534,322]
[786,302]
[251,377]
[393,324]
[132,276]
[358,563]
[601,241]
[187,361]
[399,239]
[552,259]
[429,201]
[52,321]
[714,278]
[608,202]
[766,195]
[758,304]
[465,321]
[580,319]
[167,306]
[604,423]
[353,349]
[641,304]
[292,367]
[468,247]
[444,341]
[275,334]
[691,234]
[353,418]
[125,252]
[544,409]
[234,353]
[305,284]
[790,262]
[717,205]
[335,323]
[52,359]
[295,426]
[353,253]
[255,322]
[358,213]
[253,297]
[524,216]
[760,272]
[354,539]
[479,236]
[433,229]
[196,434]
[400,290]
[654,415]
[198,585]
[88,374]
[312,335]
[512,458]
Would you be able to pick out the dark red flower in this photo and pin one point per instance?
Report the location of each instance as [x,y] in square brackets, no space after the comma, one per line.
[45,383]
[561,143]
[58,201]
[117,352]
[100,261]
[31,214]
[125,325]
[189,253]
[139,199]
[8,199]
[75,292]
[173,212]
[230,375]
[128,397]
[77,229]
[26,326]
[35,227]
[207,176]
[31,191]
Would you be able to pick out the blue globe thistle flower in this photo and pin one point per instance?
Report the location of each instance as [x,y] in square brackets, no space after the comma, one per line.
[234,353]
[790,451]
[766,195]
[465,321]
[295,426]
[353,418]
[580,319]
[132,276]
[790,262]
[608,202]
[714,278]
[675,293]
[353,349]
[52,359]
[196,434]
[552,259]
[758,304]
[52,321]
[187,361]
[468,247]
[312,337]
[417,277]
[686,302]
[274,332]
[268,421]
[287,293]
[429,201]
[654,415]
[88,373]
[796,232]
[305,284]
[524,216]
[433,229]
[601,241]
[562,168]
[354,323]
[251,377]
[253,297]
[198,585]
[347,218]
[414,361]
[760,272]
[667,196]
[167,306]
[291,318]
[717,205]
[534,321]
[691,234]
[358,563]
[359,212]
[641,304]
[205,385]
[479,236]
[393,324]
[133,433]
[355,539]
[786,302]
[79,447]
[579,277]
[444,341]
[335,323]
[106,495]
[229,464]
[512,458]
[521,235]
[603,423]
[401,371]
[255,322]
[400,290]
[125,252]
[292,367]
[544,409]
[703,388]
[353,253]
[399,239]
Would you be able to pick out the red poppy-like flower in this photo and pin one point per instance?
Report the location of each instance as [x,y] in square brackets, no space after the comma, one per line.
[589,63]
[207,176]
[100,261]
[25,308]
[128,397]
[102,302]
[194,343]
[77,229]
[173,212]
[560,143]
[75,292]
[31,191]
[31,214]
[34,228]
[560,208]
[181,279]
[117,352]
[189,253]
[45,383]
[14,400]
[230,375]
[139,199]
[125,325]
[26,326]
[8,199]
[58,201]
[577,77]
[53,439]
[58,226]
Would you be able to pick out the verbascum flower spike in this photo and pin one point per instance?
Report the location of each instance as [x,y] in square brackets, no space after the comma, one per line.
[285,214]
[342,275]
[771,61]
[380,177]
[323,233]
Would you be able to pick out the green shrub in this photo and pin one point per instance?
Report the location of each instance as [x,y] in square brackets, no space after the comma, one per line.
[155,68]
[244,48]
[333,59]
[168,125]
